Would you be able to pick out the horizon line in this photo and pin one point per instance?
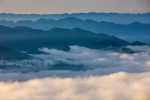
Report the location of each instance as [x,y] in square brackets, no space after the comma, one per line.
[70,13]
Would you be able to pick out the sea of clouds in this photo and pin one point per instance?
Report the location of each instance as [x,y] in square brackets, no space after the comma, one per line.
[108,76]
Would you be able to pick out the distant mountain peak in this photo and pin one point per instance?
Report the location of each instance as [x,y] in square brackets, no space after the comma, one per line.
[72,18]
[137,43]
[3,26]
[41,20]
[76,29]
[105,43]
[58,29]
[3,21]
[104,22]
[23,28]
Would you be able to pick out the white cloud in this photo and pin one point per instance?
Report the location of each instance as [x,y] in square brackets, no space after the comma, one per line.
[148,63]
[140,48]
[99,62]
[118,86]
[96,58]
[114,76]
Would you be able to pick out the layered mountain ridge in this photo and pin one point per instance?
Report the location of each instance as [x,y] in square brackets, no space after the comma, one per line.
[126,32]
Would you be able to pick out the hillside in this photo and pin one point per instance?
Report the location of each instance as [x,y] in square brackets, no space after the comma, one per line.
[11,54]
[24,38]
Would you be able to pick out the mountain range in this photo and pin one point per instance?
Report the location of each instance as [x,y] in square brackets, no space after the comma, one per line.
[27,38]
[122,18]
[14,41]
[130,32]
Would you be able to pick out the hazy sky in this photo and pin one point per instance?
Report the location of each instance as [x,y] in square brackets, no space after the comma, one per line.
[70,6]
